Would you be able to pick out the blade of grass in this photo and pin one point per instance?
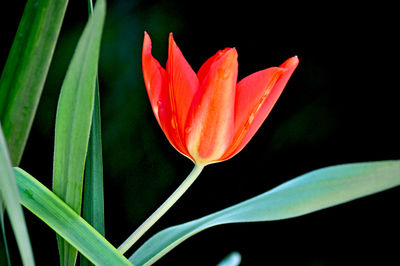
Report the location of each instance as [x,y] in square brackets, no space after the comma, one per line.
[9,194]
[73,121]
[25,71]
[64,220]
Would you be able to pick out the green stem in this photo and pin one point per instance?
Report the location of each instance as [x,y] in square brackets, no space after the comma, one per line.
[162,209]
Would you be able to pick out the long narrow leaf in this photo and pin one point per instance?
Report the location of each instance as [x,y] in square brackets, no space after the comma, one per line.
[93,196]
[26,69]
[9,194]
[308,193]
[62,219]
[73,121]
[4,255]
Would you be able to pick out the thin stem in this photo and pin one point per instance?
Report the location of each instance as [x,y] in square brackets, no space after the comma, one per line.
[162,209]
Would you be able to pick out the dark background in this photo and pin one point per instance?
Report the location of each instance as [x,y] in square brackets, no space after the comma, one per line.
[340,106]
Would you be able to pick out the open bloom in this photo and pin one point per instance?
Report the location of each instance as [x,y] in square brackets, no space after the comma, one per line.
[208,116]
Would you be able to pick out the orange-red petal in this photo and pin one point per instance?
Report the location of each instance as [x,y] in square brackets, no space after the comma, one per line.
[255,97]
[183,84]
[210,124]
[156,81]
[154,76]
[205,68]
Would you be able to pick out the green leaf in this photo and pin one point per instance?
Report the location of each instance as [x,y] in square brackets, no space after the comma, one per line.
[310,192]
[73,121]
[93,195]
[9,195]
[64,220]
[4,255]
[26,69]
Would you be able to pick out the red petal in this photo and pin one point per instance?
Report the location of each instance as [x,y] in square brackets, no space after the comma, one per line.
[204,69]
[155,78]
[183,84]
[211,120]
[255,97]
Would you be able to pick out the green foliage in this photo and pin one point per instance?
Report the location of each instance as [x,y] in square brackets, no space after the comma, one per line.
[308,193]
[9,195]
[26,69]
[73,121]
[4,254]
[93,196]
[64,220]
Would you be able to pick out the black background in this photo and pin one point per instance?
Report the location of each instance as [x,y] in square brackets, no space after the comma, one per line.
[340,106]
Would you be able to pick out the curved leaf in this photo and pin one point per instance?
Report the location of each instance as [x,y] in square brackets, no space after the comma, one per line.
[64,220]
[310,192]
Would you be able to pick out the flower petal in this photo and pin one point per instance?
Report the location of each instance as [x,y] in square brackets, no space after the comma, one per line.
[210,124]
[255,96]
[205,68]
[155,78]
[183,84]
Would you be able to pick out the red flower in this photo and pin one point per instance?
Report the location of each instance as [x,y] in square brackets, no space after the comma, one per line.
[208,116]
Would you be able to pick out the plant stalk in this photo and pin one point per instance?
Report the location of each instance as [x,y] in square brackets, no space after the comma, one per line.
[161,210]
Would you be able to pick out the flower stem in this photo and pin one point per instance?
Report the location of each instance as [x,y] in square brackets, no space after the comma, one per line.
[161,210]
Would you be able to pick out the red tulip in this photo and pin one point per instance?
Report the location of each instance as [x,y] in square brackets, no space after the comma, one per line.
[208,116]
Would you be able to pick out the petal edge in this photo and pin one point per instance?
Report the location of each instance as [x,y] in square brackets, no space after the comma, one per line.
[275,81]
